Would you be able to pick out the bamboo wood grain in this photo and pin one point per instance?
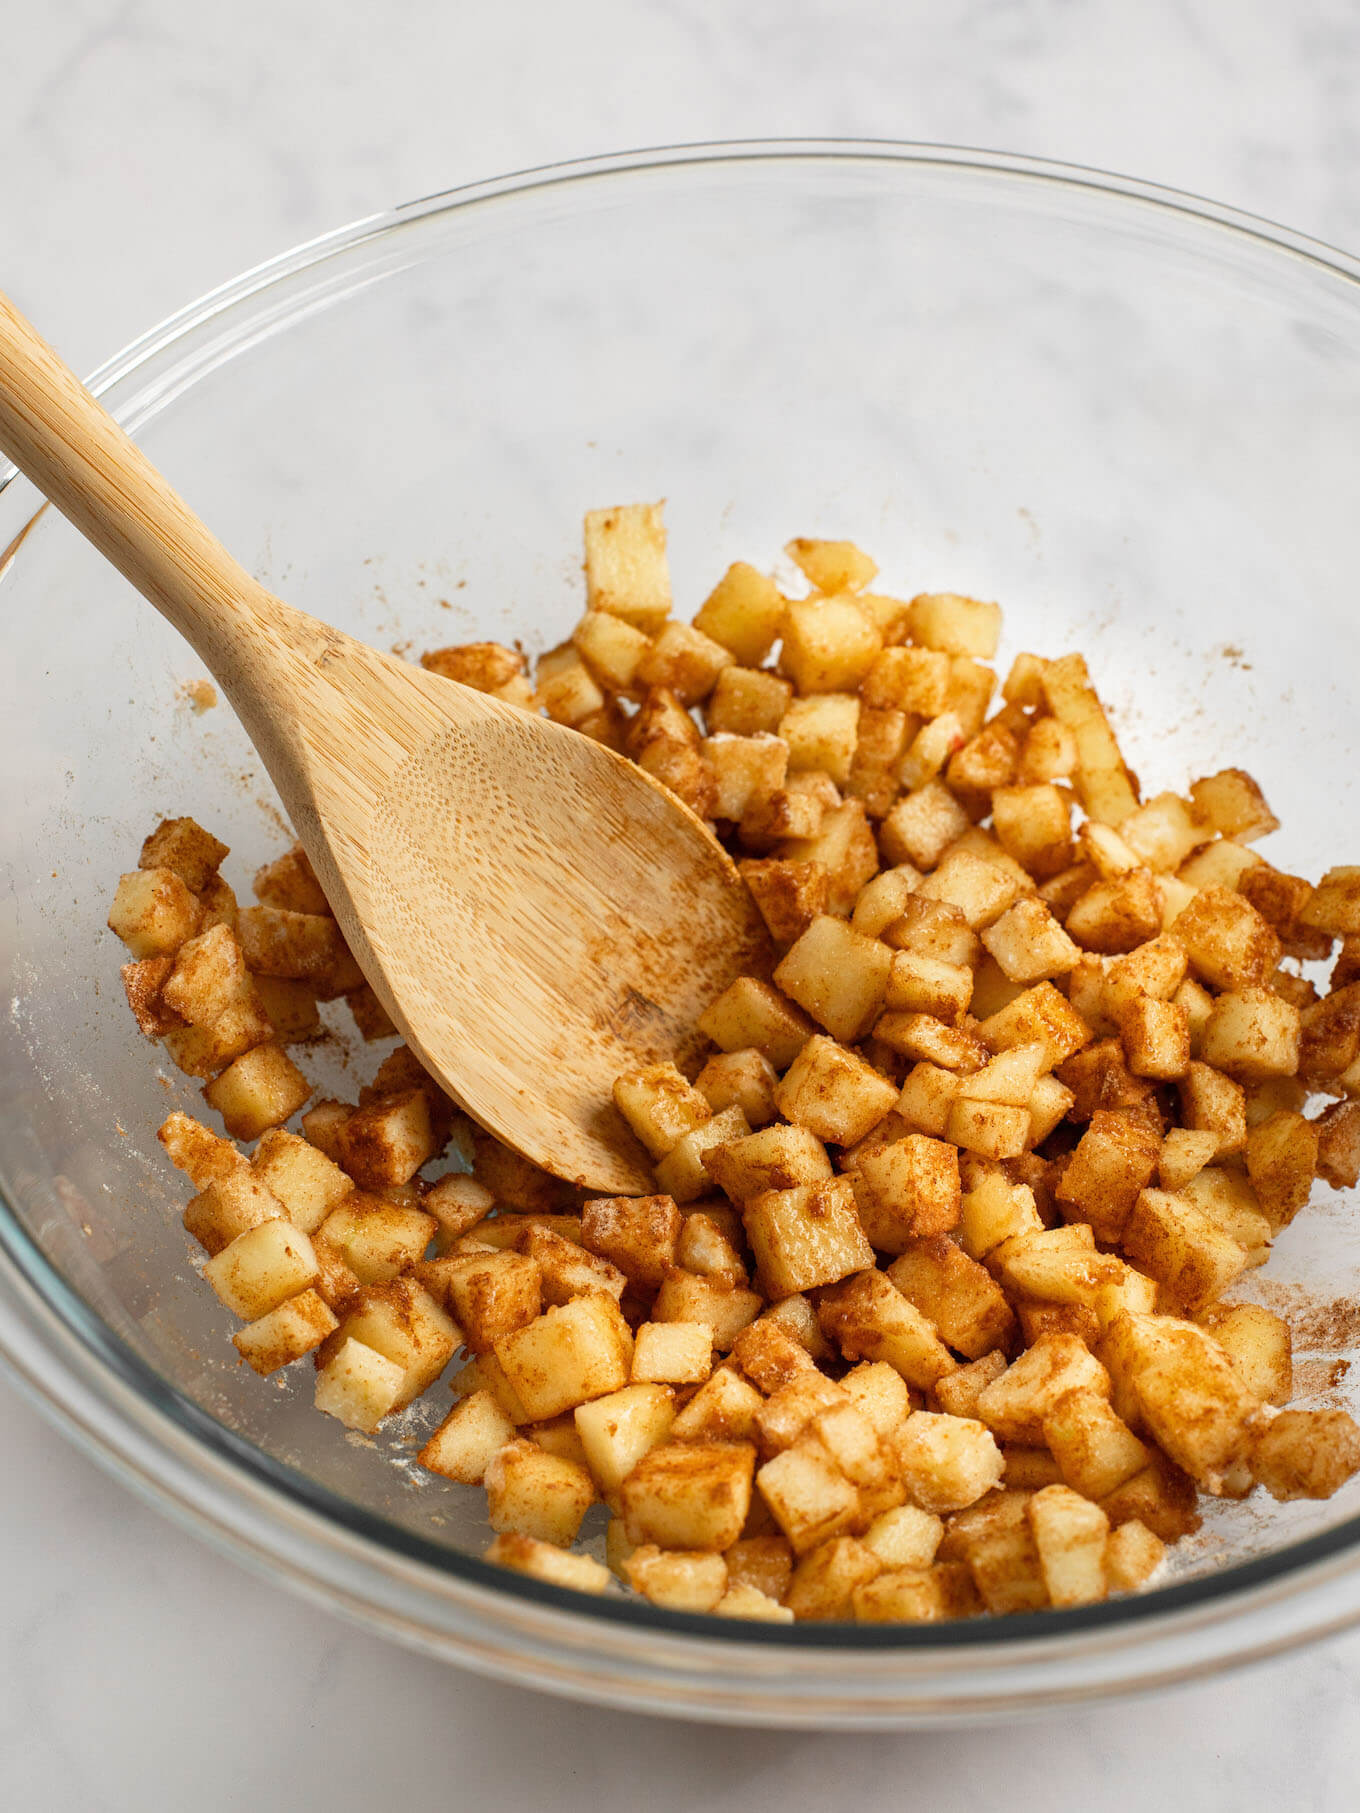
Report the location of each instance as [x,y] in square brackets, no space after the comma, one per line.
[534,912]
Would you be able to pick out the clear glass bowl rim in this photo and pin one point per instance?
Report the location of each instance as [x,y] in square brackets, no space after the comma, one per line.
[619,1652]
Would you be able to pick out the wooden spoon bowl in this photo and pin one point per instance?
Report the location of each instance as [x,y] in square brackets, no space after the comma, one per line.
[534,912]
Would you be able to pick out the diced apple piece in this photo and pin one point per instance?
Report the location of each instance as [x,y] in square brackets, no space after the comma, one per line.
[1252,1034]
[1114,1160]
[1171,1240]
[626,571]
[230,1205]
[921,827]
[1258,1343]
[204,1156]
[826,1578]
[750,1602]
[834,1093]
[947,1462]
[956,625]
[926,1098]
[1212,1102]
[1232,804]
[724,1308]
[378,1239]
[806,1236]
[638,1234]
[1229,944]
[1040,1014]
[295,1327]
[740,1079]
[751,1014]
[1034,825]
[1014,1406]
[809,1496]
[775,1158]
[1306,1453]
[1095,1450]
[262,1268]
[153,912]
[1069,1533]
[683,661]
[689,1496]
[618,1429]
[867,1318]
[463,1445]
[1191,1397]
[1102,778]
[387,1140]
[1282,1158]
[532,1493]
[743,613]
[680,1580]
[660,1106]
[906,1190]
[821,732]
[1117,915]
[723,1409]
[837,975]
[1338,1152]
[1132,1556]
[993,1210]
[790,895]
[258,1090]
[1185,1152]
[991,1129]
[829,644]
[681,1172]
[746,701]
[567,1356]
[545,1561]
[673,1353]
[358,1386]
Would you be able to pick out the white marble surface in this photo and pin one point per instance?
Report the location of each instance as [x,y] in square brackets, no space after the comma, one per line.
[152,149]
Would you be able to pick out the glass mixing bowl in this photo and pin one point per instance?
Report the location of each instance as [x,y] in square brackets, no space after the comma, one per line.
[1132,417]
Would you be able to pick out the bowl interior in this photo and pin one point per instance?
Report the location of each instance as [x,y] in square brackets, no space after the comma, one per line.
[1137,428]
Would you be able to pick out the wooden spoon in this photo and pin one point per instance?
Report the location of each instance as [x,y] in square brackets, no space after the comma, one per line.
[535,913]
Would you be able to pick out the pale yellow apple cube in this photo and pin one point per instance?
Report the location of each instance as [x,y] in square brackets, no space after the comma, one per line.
[463,1445]
[626,570]
[153,912]
[660,1105]
[672,1353]
[689,1496]
[570,1354]
[306,1182]
[1069,1533]
[545,1561]
[829,644]
[404,1323]
[358,1386]
[681,1173]
[617,1430]
[680,1580]
[259,1090]
[262,1268]
[837,975]
[821,732]
[296,1327]
[743,613]
[947,1462]
[956,625]
[533,1493]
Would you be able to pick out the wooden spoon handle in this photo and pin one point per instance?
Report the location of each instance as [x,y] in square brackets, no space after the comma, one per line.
[78,456]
